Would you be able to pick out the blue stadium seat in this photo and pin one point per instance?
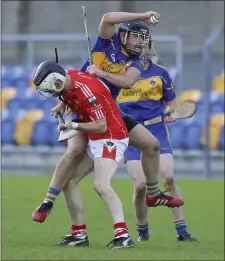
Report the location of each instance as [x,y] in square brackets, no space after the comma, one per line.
[192,135]
[32,103]
[6,83]
[17,71]
[7,73]
[176,134]
[40,133]
[47,105]
[14,105]
[217,107]
[221,144]
[22,83]
[8,128]
[53,135]
[200,114]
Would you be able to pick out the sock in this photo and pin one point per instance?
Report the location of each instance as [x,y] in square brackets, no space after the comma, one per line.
[52,194]
[142,229]
[152,189]
[79,230]
[120,230]
[180,226]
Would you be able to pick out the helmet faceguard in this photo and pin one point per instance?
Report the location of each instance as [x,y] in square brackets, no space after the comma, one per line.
[49,79]
[139,31]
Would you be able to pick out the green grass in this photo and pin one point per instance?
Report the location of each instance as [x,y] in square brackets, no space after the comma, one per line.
[23,239]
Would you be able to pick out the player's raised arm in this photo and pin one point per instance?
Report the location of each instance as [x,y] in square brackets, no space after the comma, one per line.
[109,20]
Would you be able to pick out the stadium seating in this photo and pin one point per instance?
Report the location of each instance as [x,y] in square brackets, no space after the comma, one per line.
[192,135]
[218,83]
[176,134]
[217,107]
[221,144]
[32,103]
[24,127]
[193,94]
[7,94]
[8,128]
[216,124]
[48,104]
[40,133]
[15,105]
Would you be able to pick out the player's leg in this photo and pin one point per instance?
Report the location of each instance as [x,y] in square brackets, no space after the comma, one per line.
[143,140]
[135,170]
[107,155]
[167,174]
[78,234]
[62,174]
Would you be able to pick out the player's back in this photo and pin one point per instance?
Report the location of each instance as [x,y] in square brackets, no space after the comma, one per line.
[145,100]
[89,88]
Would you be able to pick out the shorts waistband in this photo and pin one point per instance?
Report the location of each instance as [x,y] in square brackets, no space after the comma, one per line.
[153,121]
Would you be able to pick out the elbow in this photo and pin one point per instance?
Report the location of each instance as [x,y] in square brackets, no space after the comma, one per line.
[128,84]
[106,18]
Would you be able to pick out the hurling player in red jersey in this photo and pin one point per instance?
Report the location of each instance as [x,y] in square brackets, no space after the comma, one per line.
[107,136]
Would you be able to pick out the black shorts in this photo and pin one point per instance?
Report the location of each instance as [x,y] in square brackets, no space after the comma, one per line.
[130,123]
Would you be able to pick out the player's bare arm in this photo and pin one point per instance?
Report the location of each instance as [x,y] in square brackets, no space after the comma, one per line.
[109,20]
[124,81]
[59,108]
[98,126]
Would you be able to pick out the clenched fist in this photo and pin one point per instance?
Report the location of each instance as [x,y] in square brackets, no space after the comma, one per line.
[152,18]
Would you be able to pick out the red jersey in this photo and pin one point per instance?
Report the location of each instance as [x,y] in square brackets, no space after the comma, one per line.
[91,100]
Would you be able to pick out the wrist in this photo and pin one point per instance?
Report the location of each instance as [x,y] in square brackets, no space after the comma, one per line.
[74,125]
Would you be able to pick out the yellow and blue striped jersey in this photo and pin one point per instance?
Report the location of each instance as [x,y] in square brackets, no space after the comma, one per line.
[108,55]
[144,100]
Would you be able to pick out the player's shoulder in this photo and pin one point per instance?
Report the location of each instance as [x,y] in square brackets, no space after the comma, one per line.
[102,43]
[159,68]
[72,72]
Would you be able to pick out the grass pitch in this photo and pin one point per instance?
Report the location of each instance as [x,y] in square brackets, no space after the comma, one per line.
[23,239]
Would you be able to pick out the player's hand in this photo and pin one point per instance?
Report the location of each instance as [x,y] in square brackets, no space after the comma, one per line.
[94,70]
[152,18]
[169,119]
[66,125]
[59,108]
[60,127]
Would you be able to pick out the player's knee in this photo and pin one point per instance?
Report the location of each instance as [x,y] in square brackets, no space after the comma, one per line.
[101,189]
[152,146]
[140,188]
[168,181]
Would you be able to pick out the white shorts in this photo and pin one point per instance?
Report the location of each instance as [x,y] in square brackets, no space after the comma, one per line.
[107,148]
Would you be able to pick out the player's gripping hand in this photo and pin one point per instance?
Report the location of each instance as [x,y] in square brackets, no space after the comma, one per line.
[59,108]
[94,70]
[152,18]
[67,125]
[169,119]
